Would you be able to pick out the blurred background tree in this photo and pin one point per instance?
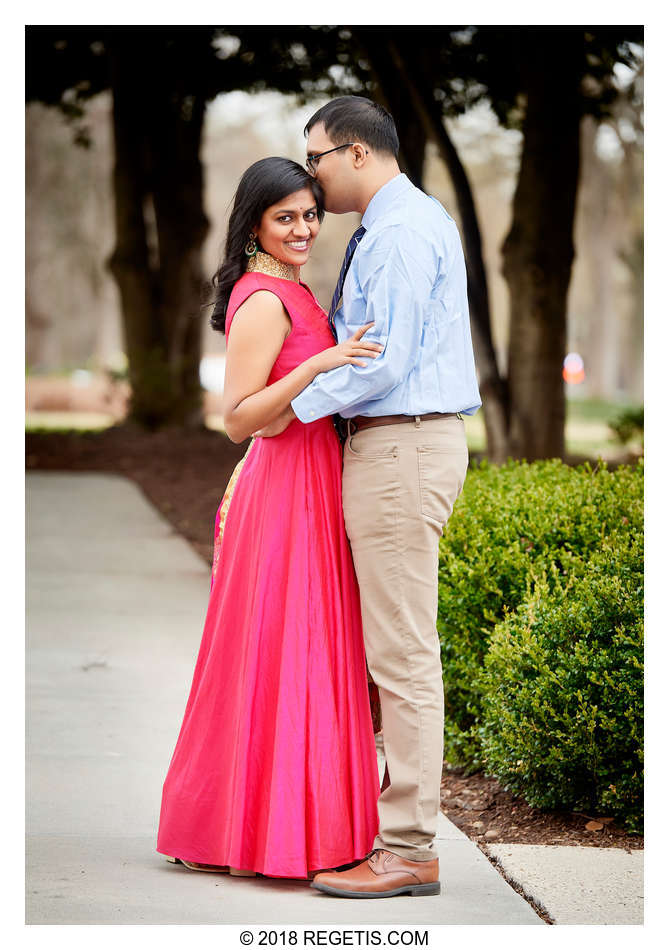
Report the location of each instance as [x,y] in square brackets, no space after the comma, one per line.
[550,86]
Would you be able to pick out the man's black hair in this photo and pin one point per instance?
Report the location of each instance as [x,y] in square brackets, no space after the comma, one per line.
[356,119]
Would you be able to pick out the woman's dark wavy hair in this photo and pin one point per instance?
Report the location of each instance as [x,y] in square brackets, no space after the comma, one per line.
[264,184]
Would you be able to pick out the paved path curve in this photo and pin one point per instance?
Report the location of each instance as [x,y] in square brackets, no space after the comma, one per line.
[116,603]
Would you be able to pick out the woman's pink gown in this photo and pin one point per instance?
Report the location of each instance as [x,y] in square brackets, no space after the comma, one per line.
[275,766]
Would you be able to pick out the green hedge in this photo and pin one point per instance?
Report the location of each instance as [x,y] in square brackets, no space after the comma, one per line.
[540,572]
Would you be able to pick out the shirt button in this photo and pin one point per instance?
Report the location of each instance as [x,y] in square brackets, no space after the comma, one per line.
[312,413]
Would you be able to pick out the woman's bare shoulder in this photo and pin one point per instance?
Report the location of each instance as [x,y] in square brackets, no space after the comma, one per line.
[260,313]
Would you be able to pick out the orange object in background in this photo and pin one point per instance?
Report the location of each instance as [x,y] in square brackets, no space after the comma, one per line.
[573,369]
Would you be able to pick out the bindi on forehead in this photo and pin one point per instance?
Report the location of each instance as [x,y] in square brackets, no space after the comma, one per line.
[295,208]
[306,203]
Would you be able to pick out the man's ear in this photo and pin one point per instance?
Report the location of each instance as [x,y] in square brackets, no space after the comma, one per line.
[360,154]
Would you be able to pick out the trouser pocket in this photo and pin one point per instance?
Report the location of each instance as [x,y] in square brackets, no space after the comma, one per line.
[441,475]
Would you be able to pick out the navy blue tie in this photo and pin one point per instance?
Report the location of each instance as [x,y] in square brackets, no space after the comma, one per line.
[336,297]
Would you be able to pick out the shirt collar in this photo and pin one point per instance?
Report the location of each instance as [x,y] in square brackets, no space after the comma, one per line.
[384,198]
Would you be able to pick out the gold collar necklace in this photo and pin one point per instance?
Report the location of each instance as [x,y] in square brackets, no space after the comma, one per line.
[262,263]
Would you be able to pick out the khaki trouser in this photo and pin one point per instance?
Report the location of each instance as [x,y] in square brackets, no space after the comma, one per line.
[399,485]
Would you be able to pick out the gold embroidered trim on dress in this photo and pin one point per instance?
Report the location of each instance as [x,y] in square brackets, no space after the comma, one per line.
[225,504]
[262,263]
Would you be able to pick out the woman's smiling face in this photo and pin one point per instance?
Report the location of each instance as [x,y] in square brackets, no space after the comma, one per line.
[288,229]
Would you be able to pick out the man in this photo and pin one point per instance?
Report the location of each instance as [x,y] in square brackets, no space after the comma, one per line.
[405,459]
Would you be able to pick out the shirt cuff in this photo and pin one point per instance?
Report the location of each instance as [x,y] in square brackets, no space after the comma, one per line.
[308,407]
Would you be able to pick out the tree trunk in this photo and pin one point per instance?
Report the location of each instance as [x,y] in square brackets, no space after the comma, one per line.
[160,227]
[397,100]
[130,261]
[538,251]
[492,386]
[182,228]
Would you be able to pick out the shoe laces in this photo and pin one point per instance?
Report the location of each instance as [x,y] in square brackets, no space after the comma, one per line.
[378,856]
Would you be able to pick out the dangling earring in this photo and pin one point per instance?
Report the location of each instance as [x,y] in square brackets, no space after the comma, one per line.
[251,247]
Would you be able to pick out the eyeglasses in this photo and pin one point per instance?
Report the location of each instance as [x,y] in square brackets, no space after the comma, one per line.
[313,160]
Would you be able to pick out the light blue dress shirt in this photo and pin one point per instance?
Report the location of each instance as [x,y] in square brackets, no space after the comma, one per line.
[408,276]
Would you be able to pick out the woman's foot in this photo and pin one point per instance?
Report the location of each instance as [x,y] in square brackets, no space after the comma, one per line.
[212,868]
[195,866]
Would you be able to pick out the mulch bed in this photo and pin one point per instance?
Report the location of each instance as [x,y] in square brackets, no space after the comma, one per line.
[486,813]
[184,475]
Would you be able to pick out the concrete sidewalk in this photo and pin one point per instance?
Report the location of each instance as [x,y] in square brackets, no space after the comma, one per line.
[116,602]
[577,885]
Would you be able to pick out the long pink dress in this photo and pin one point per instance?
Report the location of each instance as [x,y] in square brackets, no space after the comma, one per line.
[274,768]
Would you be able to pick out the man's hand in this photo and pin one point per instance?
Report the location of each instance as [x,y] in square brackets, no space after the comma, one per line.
[349,351]
[278,426]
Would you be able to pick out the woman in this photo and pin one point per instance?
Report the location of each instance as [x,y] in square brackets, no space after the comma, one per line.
[274,770]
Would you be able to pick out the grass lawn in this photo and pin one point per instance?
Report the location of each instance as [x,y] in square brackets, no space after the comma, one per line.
[37,421]
[587,429]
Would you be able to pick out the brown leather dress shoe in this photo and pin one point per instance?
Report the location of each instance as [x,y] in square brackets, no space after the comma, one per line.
[382,874]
